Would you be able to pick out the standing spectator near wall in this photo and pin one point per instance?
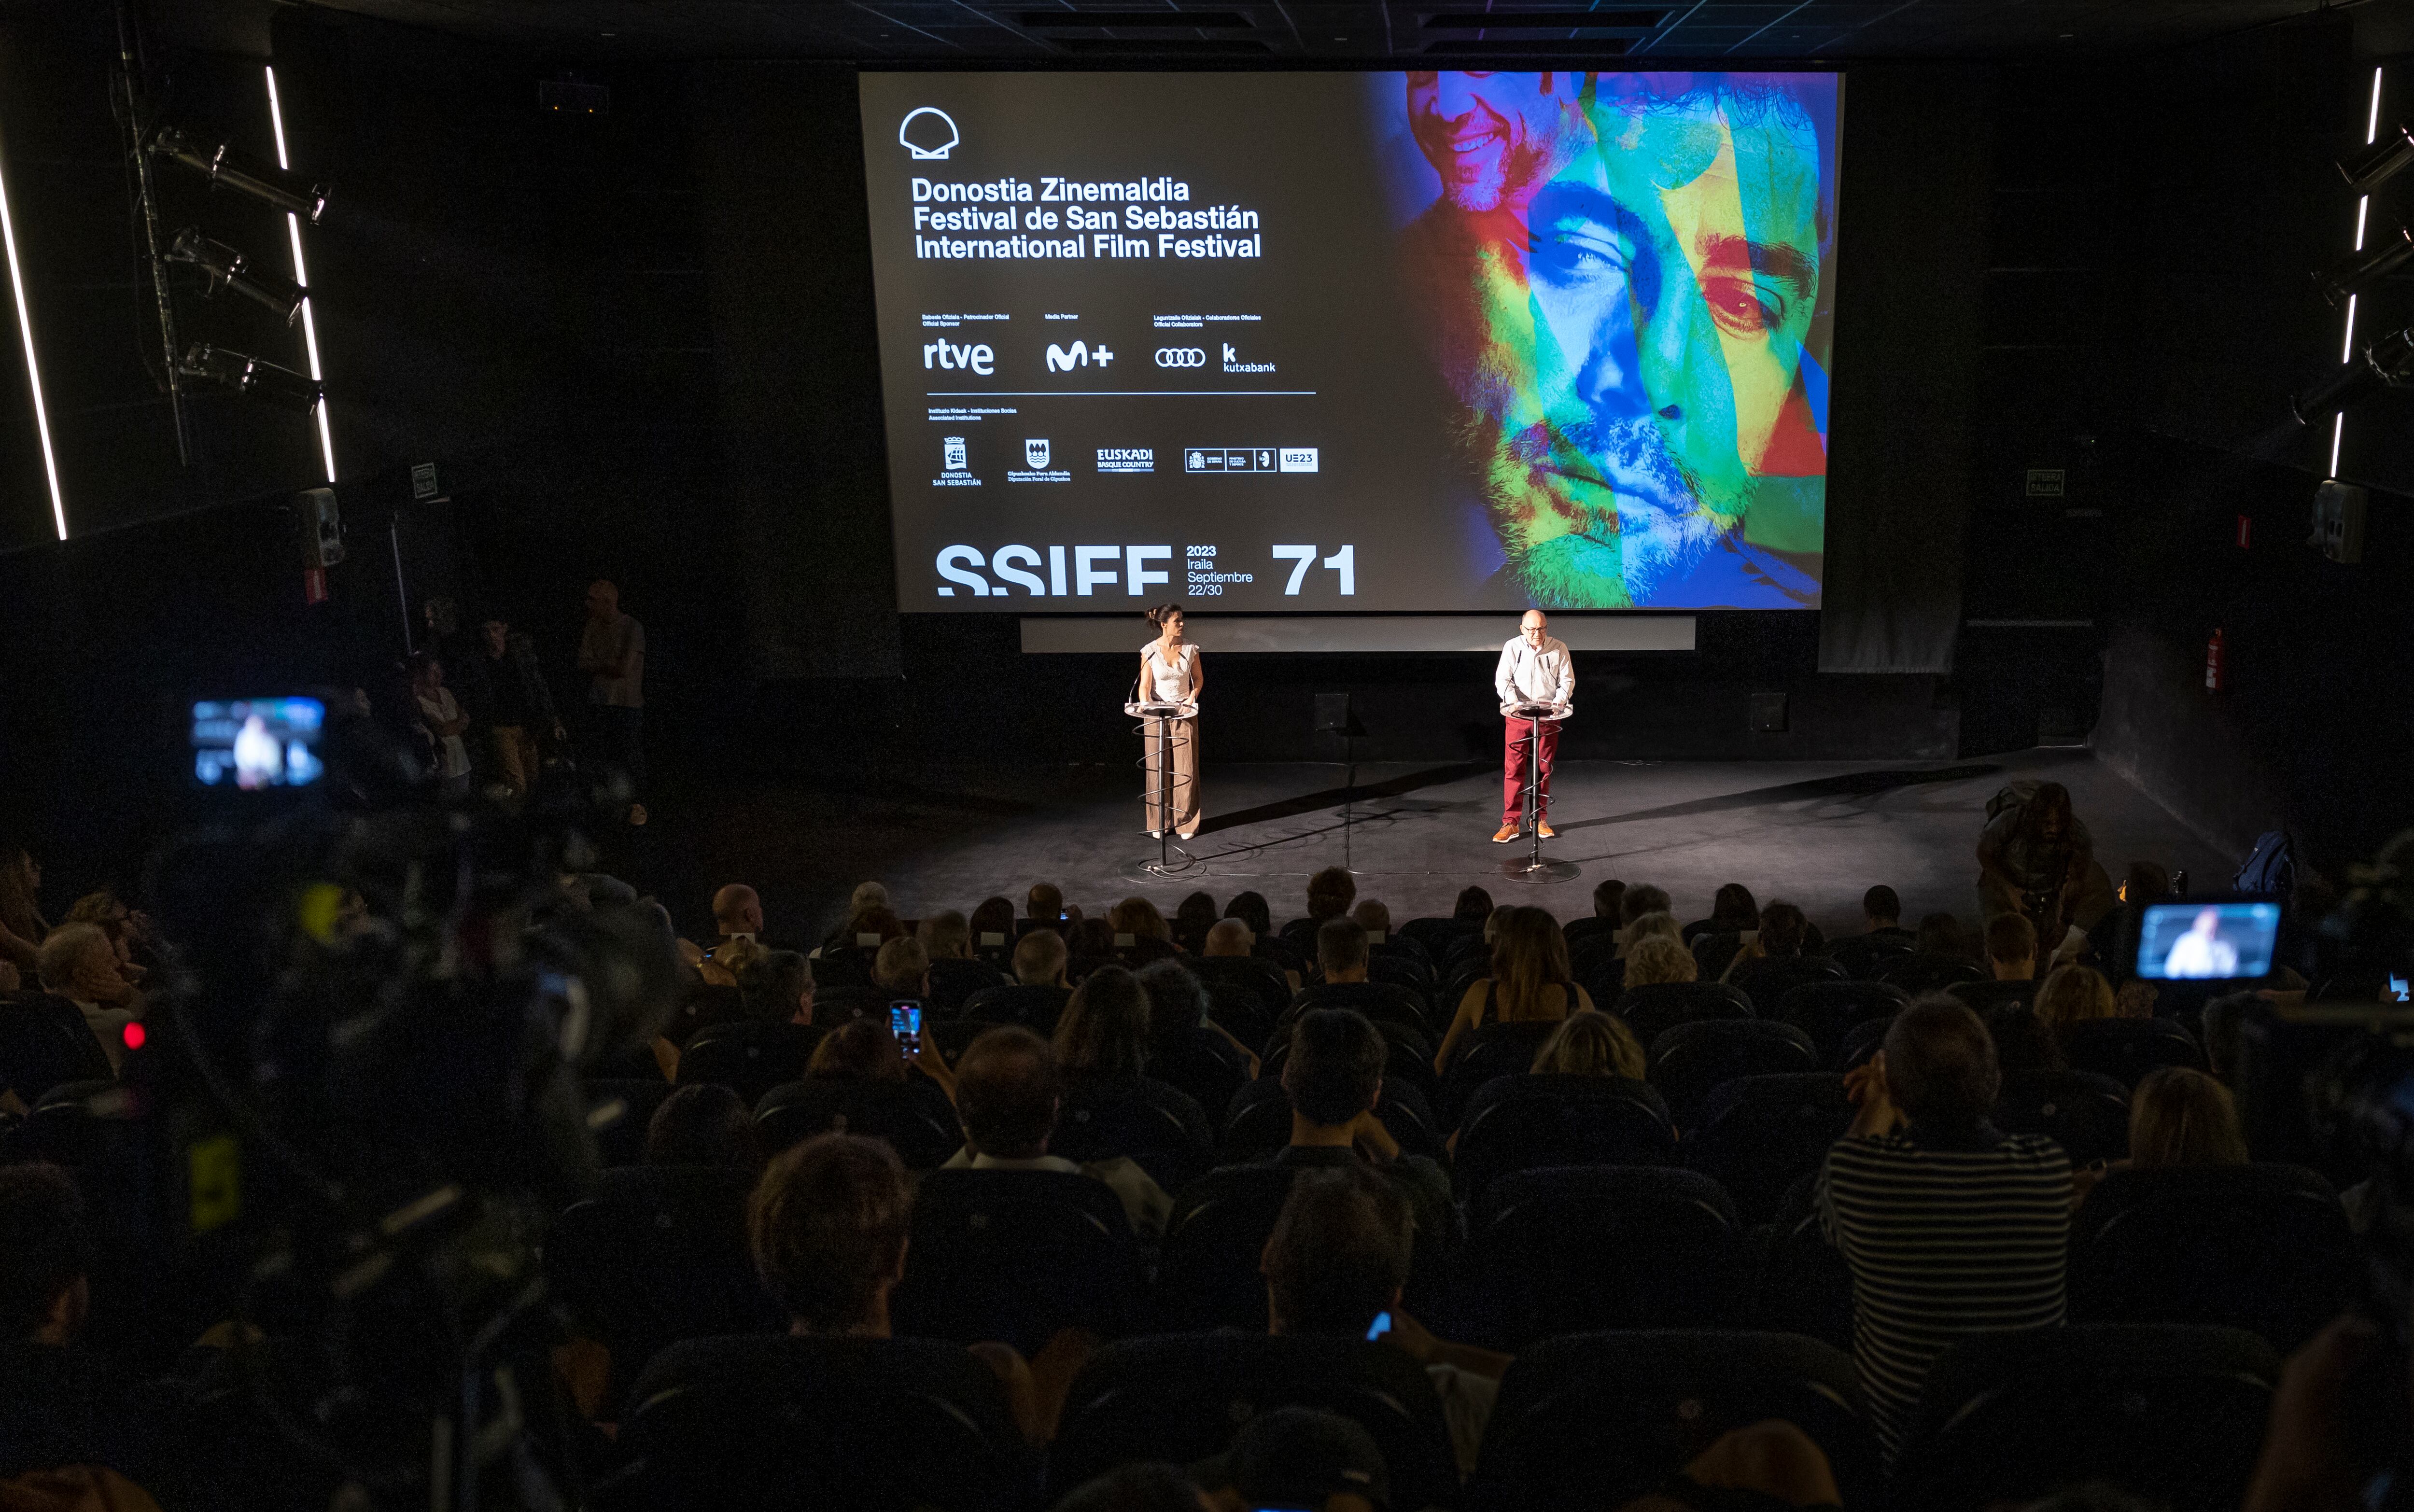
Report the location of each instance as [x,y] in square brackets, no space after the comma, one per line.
[612,653]
[440,716]
[517,703]
[21,925]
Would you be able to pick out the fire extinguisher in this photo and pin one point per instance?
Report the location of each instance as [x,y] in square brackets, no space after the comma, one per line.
[2213,658]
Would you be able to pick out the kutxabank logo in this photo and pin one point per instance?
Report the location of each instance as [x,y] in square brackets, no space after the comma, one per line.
[922,129]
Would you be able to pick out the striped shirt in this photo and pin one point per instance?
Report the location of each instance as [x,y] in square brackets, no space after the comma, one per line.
[1944,1237]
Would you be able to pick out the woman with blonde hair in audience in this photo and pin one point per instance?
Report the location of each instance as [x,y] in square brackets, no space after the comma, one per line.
[1591,1044]
[1103,1033]
[1663,924]
[2182,1116]
[2073,995]
[1530,983]
[1655,959]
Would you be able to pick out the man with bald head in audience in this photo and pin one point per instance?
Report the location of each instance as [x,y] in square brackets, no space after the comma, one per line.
[737,914]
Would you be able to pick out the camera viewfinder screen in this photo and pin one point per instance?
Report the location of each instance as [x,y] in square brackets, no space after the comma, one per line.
[1404,342]
[2201,941]
[257,742]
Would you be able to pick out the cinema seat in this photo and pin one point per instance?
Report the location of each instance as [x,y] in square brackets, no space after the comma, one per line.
[1183,1398]
[1758,1134]
[1578,1248]
[2171,1413]
[1162,1129]
[2263,1248]
[45,1043]
[656,1255]
[1689,1059]
[1016,1256]
[1438,936]
[1654,1010]
[1642,1405]
[1861,1042]
[2087,1115]
[1528,1122]
[1800,1283]
[1916,973]
[773,1423]
[1033,1008]
[954,982]
[749,1057]
[1207,1274]
[1825,1010]
[913,1117]
[1491,1050]
[2125,1049]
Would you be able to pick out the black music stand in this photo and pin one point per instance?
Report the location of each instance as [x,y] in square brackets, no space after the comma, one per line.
[1334,716]
[1534,867]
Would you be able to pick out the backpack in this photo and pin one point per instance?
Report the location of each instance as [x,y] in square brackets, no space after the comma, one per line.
[2271,867]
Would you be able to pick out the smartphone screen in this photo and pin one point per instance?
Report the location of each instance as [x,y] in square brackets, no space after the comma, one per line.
[905,1022]
[1381,1325]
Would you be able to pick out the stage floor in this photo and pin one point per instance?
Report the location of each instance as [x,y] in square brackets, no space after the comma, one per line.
[1817,833]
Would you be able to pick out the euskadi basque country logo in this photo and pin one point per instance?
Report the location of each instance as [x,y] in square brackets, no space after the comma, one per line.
[928,133]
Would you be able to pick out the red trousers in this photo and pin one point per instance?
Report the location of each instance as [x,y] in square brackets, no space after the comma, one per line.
[1513,776]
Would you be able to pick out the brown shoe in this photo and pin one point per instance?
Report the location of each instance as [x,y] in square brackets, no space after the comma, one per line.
[1508,833]
[1545,829]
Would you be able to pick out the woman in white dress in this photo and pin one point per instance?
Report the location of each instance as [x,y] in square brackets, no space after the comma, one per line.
[1169,672]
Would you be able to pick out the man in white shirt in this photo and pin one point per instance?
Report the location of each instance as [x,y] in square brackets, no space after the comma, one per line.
[1535,668]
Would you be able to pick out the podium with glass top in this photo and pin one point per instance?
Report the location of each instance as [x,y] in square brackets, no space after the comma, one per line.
[1162,730]
[1534,867]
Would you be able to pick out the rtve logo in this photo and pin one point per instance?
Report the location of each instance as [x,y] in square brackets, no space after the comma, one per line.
[978,357]
[1082,355]
[1181,356]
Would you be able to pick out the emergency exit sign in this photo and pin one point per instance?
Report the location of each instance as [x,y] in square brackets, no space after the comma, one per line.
[2045,482]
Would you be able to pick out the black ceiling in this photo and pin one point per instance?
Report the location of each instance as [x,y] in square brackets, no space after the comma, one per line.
[1159,32]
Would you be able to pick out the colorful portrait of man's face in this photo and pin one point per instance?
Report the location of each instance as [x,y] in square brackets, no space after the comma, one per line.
[1637,383]
[1495,137]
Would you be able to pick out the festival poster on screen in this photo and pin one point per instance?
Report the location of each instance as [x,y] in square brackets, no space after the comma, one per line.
[1406,342]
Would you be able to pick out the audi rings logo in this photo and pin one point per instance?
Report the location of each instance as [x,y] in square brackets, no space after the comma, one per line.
[1181,356]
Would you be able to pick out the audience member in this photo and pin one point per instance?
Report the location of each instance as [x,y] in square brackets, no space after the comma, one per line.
[1298,1457]
[1193,917]
[827,1225]
[441,716]
[22,927]
[1733,911]
[1472,906]
[1038,998]
[1941,937]
[1091,941]
[2073,995]
[902,968]
[1655,958]
[1640,902]
[2223,1021]
[1881,912]
[1948,1226]
[737,914]
[1150,937]
[992,927]
[1609,901]
[54,1407]
[1374,916]
[945,936]
[1329,893]
[1137,1488]
[1591,1044]
[1642,925]
[1882,934]
[612,653]
[1342,957]
[1229,938]
[1334,1077]
[1250,908]
[1781,964]
[705,1124]
[1186,1047]
[2022,1042]
[1007,1098]
[1530,982]
[2182,1116]
[516,704]
[2011,948]
[1765,1466]
[954,975]
[1103,1034]
[1044,907]
[779,989]
[860,1049]
[77,963]
[1338,1258]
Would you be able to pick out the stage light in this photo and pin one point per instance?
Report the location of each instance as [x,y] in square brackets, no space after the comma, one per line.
[249,375]
[227,266]
[2388,362]
[221,166]
[2360,270]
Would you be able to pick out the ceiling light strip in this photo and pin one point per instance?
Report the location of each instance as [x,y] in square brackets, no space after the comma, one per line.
[301,277]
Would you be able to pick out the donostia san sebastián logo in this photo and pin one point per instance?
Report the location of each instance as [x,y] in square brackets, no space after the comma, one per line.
[923,140]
